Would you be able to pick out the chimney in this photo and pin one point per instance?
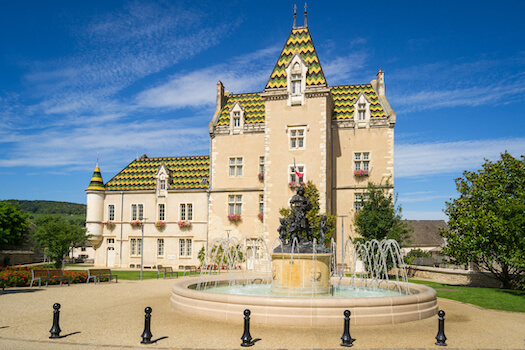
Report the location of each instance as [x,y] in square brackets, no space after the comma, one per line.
[380,82]
[220,96]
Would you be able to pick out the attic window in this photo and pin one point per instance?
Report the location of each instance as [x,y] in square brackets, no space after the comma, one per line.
[162,184]
[296,84]
[361,110]
[236,119]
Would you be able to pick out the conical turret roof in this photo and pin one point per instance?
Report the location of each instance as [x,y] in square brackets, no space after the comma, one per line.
[301,42]
[96,183]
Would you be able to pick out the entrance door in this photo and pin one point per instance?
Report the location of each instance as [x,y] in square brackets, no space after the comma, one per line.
[110,257]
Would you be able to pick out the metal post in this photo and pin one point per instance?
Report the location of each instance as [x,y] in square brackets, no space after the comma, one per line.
[440,337]
[142,248]
[246,336]
[146,335]
[55,329]
[346,337]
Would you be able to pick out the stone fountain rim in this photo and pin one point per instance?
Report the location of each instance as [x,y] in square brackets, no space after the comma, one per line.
[420,293]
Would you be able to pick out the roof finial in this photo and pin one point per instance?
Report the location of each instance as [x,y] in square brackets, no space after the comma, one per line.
[97,160]
[305,15]
[294,16]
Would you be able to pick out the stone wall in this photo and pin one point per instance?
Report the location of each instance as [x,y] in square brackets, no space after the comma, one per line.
[453,276]
[15,257]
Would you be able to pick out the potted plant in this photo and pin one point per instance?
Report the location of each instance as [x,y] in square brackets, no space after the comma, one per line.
[260,216]
[110,225]
[135,223]
[235,218]
[361,172]
[184,223]
[160,224]
[261,176]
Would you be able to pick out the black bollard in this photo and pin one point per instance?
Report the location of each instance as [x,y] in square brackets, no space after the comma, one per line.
[246,337]
[440,337]
[146,335]
[346,337]
[55,330]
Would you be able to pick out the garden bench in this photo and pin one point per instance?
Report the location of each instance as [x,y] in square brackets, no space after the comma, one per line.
[164,270]
[189,269]
[47,275]
[98,274]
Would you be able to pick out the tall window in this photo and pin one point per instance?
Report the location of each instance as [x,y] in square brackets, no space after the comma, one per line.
[111,212]
[160,247]
[185,247]
[162,212]
[359,198]
[236,119]
[261,164]
[137,212]
[296,138]
[361,111]
[261,203]
[162,184]
[294,177]
[296,84]
[136,246]
[235,166]
[186,211]
[362,161]
[235,204]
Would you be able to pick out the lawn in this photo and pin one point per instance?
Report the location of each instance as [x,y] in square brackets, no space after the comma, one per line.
[489,298]
[134,275]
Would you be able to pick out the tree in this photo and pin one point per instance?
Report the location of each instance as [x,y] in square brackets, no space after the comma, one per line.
[13,225]
[314,216]
[58,235]
[379,217]
[487,221]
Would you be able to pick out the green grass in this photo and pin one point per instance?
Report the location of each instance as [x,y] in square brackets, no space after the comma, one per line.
[134,275]
[489,298]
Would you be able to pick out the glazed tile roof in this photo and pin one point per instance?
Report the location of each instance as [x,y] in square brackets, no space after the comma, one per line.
[298,41]
[185,173]
[96,183]
[344,99]
[253,106]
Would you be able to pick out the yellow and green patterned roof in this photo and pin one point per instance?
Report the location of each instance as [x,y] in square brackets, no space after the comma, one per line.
[96,183]
[344,99]
[185,173]
[253,105]
[299,41]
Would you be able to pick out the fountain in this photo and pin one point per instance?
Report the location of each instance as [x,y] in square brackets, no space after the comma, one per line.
[297,282]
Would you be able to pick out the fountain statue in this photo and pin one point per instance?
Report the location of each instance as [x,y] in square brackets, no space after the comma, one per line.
[297,281]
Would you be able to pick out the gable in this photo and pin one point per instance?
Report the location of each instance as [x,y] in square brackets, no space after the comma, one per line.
[185,173]
[344,99]
[299,42]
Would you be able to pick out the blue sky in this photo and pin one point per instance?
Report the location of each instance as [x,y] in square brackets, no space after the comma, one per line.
[124,78]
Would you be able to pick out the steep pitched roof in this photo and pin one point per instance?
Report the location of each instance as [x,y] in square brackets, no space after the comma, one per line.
[185,173]
[426,233]
[299,41]
[344,99]
[253,105]
[96,183]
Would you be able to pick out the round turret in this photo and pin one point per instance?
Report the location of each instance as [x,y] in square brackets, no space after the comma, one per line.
[95,207]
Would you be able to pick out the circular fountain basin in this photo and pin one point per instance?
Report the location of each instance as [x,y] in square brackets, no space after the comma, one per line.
[304,311]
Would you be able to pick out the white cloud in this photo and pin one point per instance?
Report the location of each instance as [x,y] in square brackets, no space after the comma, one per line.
[424,215]
[420,159]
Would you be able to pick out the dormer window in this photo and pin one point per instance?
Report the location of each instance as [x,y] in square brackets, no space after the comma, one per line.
[236,118]
[296,81]
[362,111]
[162,184]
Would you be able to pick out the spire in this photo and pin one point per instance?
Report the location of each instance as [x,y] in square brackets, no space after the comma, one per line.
[305,15]
[96,183]
[299,41]
[294,16]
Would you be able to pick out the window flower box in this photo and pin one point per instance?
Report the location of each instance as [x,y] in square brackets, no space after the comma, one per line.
[260,216]
[361,172]
[184,223]
[135,223]
[160,224]
[294,184]
[110,225]
[261,176]
[235,218]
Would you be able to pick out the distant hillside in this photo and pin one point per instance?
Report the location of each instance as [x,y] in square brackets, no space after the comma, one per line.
[50,207]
